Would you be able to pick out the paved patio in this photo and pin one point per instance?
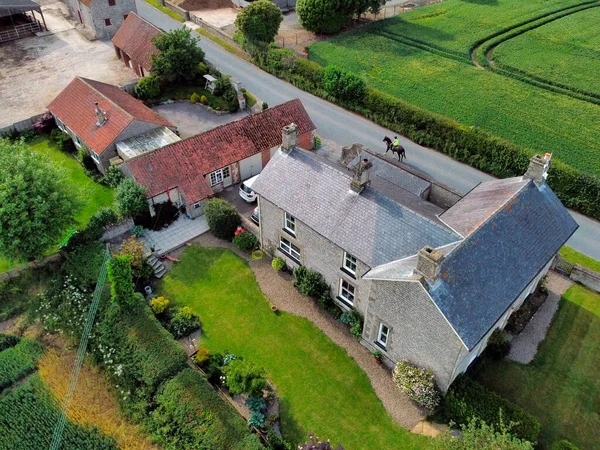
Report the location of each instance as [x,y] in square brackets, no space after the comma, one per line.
[175,235]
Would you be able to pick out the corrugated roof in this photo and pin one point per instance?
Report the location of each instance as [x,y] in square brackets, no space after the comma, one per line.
[74,106]
[484,275]
[134,37]
[370,225]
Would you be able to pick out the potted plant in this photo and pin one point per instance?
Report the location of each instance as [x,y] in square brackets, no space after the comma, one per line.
[274,308]
[378,355]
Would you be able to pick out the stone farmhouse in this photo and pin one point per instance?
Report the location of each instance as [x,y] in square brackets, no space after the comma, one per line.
[432,281]
[133,44]
[101,18]
[111,124]
[191,171]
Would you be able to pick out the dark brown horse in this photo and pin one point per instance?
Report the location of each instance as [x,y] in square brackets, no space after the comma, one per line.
[395,149]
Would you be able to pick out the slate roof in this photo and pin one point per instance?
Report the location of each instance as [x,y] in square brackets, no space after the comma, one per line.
[134,37]
[74,106]
[484,275]
[185,163]
[370,225]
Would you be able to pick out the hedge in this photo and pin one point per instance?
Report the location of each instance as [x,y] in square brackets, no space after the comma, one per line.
[470,145]
[190,415]
[467,398]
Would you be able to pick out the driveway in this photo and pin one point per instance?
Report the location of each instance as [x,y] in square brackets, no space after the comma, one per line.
[191,119]
[231,194]
[35,69]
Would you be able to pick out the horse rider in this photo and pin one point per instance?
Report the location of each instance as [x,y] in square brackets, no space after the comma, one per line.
[396,143]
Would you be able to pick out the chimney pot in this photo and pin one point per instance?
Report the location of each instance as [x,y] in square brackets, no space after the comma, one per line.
[429,263]
[289,138]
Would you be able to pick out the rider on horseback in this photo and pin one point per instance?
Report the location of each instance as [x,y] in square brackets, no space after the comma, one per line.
[396,142]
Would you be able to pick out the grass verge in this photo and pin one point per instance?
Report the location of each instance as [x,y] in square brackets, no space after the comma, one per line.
[165,10]
[575,257]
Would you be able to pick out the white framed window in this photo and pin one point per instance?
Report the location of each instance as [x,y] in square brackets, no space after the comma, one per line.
[289,223]
[78,141]
[94,156]
[346,292]
[217,176]
[289,249]
[197,205]
[350,263]
[382,335]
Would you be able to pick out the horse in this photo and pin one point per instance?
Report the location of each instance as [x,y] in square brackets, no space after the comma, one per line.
[399,149]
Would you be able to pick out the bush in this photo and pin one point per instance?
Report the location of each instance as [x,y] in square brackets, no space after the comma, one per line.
[86,160]
[343,85]
[63,141]
[7,341]
[204,100]
[256,404]
[184,322]
[245,241]
[466,399]
[418,383]
[202,69]
[202,357]
[131,198]
[121,284]
[159,304]
[278,263]
[244,377]
[195,98]
[44,124]
[498,345]
[257,420]
[564,445]
[353,319]
[222,217]
[134,248]
[324,16]
[212,368]
[112,177]
[309,282]
[148,88]
[265,105]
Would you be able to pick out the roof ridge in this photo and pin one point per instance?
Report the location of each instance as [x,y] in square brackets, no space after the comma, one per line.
[85,80]
[144,20]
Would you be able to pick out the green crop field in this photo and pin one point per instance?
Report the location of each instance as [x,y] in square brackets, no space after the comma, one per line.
[565,51]
[423,57]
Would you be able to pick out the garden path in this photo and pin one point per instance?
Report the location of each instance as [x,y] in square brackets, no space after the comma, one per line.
[278,288]
[524,347]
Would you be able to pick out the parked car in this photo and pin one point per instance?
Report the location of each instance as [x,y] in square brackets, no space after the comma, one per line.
[255,216]
[246,191]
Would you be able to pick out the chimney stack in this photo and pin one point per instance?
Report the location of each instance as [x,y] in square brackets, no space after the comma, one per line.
[538,168]
[100,115]
[362,174]
[289,138]
[429,263]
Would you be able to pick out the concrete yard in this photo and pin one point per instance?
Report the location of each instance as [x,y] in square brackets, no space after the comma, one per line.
[35,69]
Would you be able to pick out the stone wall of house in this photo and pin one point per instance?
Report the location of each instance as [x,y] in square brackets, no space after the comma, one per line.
[587,277]
[442,196]
[101,10]
[418,330]
[317,253]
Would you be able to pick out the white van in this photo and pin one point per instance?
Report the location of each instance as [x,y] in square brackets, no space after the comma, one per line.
[246,191]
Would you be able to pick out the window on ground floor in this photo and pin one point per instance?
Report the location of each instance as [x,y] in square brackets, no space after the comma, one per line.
[217,176]
[346,292]
[289,249]
[94,156]
[197,205]
[382,335]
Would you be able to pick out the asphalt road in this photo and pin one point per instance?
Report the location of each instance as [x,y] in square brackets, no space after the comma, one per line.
[343,127]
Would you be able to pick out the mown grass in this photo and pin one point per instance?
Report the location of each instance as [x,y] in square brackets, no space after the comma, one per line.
[575,257]
[516,111]
[185,91]
[565,51]
[320,387]
[561,387]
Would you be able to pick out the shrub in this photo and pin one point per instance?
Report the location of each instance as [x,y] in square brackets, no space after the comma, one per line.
[86,160]
[134,248]
[278,263]
[112,177]
[202,357]
[309,282]
[131,198]
[159,304]
[498,345]
[343,85]
[259,22]
[137,230]
[222,217]
[418,383]
[243,376]
[324,16]
[228,358]
[44,124]
[184,322]
[353,319]
[195,98]
[121,284]
[265,105]
[202,69]
[148,87]
[212,368]
[466,399]
[245,241]
[256,404]
[62,140]
[204,100]
[257,419]
[7,341]
[564,445]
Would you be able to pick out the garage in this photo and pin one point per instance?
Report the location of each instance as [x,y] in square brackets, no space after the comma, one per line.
[250,166]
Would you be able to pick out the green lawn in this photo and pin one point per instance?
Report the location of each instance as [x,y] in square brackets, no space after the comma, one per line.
[561,386]
[321,388]
[185,91]
[565,51]
[93,195]
[575,257]
[450,85]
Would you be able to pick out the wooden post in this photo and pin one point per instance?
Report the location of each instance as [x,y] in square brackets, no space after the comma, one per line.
[296,38]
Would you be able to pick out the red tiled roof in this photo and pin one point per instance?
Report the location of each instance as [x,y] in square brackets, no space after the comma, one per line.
[185,163]
[74,106]
[134,37]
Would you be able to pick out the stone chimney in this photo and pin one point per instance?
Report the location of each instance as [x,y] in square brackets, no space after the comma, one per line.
[362,174]
[289,138]
[538,168]
[100,115]
[429,263]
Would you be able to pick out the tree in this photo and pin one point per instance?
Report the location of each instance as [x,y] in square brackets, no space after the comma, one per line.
[325,16]
[131,198]
[343,85]
[36,204]
[259,22]
[477,435]
[222,217]
[179,55]
[371,6]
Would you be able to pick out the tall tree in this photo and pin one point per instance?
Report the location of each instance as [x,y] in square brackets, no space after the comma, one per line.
[179,55]
[259,22]
[325,16]
[131,198]
[371,6]
[36,205]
